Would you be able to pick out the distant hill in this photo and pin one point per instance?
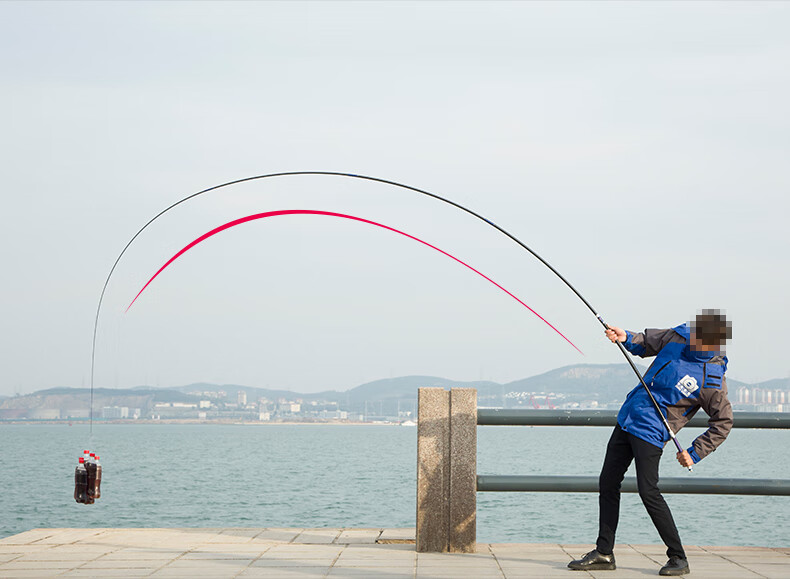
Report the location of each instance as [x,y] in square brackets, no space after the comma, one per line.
[602,382]
[776,383]
[607,382]
[406,387]
[253,393]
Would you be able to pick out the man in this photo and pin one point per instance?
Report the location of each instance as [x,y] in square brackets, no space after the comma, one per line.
[687,374]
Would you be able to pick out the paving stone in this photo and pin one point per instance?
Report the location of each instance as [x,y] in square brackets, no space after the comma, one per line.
[299,548]
[397,535]
[317,536]
[151,564]
[249,532]
[297,556]
[198,553]
[378,549]
[380,553]
[208,572]
[771,571]
[144,554]
[551,574]
[26,573]
[52,555]
[64,536]
[108,573]
[19,564]
[278,535]
[368,573]
[350,536]
[213,555]
[433,559]
[28,537]
[216,564]
[246,549]
[459,574]
[625,573]
[285,573]
[380,563]
[300,562]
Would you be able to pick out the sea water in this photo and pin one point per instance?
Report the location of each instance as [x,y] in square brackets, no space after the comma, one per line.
[165,475]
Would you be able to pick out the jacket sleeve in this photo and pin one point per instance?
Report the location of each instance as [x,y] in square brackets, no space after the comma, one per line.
[715,403]
[648,343]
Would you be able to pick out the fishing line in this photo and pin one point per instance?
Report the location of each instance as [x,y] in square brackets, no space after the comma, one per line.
[394,184]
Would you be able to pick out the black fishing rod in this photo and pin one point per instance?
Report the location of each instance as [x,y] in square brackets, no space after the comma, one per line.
[395,184]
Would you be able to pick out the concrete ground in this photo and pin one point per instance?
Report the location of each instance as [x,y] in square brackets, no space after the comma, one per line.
[338,553]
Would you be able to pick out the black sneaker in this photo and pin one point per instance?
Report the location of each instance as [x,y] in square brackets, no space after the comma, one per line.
[593,561]
[675,566]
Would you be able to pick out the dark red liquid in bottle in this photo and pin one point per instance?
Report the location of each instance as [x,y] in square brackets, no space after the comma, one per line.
[91,468]
[97,492]
[81,482]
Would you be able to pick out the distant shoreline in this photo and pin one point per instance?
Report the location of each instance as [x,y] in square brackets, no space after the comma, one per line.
[195,421]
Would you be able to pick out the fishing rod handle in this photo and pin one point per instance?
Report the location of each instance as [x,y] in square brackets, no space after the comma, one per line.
[677,445]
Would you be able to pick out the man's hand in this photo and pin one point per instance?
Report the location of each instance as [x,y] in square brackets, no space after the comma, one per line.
[615,334]
[684,459]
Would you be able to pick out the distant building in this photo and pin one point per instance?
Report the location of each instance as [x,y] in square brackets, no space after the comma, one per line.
[44,414]
[75,412]
[115,412]
[204,404]
[289,408]
[242,398]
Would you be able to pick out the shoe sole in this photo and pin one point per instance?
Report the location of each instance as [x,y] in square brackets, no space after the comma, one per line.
[673,573]
[595,567]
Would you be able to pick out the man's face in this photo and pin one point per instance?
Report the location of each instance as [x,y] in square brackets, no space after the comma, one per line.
[699,346]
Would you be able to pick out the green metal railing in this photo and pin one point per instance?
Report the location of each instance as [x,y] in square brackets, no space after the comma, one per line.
[589,484]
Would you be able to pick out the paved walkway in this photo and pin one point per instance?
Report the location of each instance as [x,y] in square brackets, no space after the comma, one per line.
[338,553]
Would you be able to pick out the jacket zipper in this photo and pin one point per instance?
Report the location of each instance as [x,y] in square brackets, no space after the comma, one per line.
[658,372]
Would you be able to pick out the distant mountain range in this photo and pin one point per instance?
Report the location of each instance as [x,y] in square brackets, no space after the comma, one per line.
[601,382]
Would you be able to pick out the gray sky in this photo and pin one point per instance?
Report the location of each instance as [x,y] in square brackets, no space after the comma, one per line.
[640,147]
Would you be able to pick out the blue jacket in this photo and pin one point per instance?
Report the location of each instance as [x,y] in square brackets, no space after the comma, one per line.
[682,381]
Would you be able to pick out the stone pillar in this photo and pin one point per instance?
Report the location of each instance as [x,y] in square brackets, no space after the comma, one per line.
[447,470]
[463,470]
[433,469]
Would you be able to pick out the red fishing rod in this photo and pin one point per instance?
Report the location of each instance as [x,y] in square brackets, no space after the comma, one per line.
[394,184]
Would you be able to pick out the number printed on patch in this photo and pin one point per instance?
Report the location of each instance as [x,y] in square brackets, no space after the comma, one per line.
[687,385]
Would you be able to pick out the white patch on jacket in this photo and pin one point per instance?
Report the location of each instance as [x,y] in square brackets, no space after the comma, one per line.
[687,385]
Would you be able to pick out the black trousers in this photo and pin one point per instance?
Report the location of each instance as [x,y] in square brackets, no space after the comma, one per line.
[621,450]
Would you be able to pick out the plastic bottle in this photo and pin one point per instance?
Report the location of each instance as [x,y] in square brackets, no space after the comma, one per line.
[90,466]
[97,492]
[81,482]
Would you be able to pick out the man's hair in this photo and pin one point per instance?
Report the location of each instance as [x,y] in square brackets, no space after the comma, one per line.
[712,327]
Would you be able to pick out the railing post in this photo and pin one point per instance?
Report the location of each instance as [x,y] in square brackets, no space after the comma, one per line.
[447,470]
